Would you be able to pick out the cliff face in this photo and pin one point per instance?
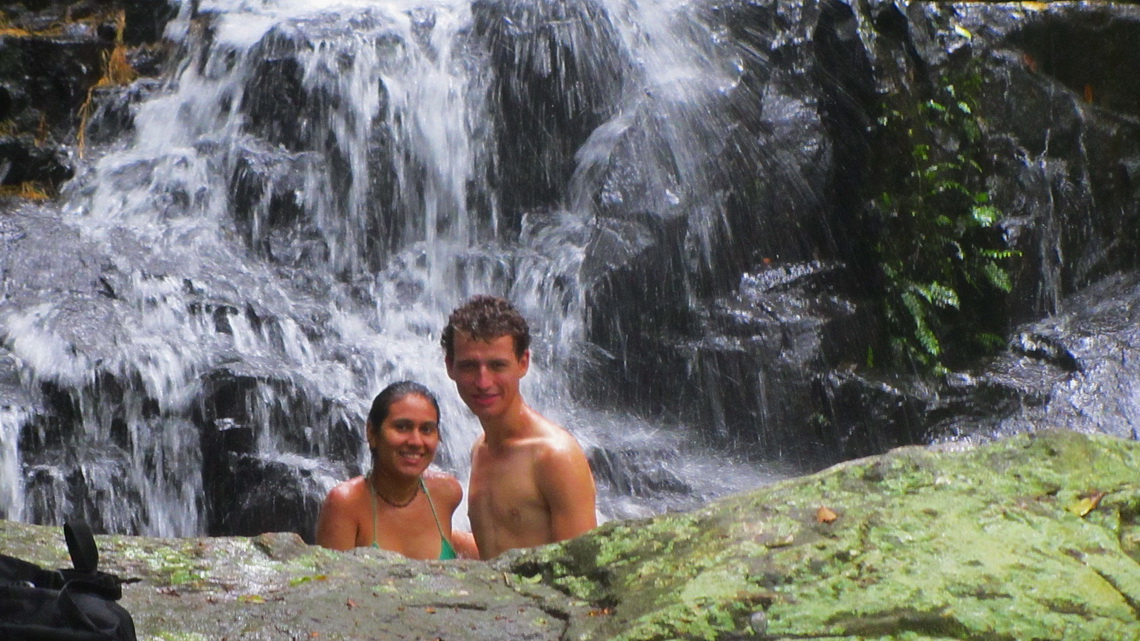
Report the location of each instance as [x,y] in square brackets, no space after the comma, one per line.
[59,61]
[837,117]
[835,107]
[1032,537]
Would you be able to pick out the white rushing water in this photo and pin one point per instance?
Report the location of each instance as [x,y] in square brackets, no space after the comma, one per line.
[390,175]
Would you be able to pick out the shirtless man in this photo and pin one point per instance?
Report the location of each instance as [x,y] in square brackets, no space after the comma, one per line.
[530,481]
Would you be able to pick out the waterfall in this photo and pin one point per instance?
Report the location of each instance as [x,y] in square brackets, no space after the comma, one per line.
[299,206]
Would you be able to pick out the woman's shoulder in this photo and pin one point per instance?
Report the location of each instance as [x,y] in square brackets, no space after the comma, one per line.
[443,487]
[347,491]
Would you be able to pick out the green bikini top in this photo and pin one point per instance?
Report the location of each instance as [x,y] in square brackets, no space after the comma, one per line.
[446,550]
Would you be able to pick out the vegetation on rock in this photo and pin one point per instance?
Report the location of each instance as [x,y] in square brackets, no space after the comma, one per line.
[1033,537]
[939,246]
[918,543]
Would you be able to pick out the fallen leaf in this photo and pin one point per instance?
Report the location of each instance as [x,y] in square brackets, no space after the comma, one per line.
[825,515]
[1086,503]
[251,598]
[350,603]
[429,610]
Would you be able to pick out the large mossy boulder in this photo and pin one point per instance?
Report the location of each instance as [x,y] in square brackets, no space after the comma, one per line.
[1032,537]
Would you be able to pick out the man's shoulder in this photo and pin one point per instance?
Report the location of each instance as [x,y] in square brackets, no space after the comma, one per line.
[535,437]
[563,469]
[555,445]
[548,435]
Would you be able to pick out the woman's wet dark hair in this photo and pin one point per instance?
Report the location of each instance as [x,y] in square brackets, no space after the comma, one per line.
[394,392]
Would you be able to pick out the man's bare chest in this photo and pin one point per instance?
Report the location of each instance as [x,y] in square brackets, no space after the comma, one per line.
[505,492]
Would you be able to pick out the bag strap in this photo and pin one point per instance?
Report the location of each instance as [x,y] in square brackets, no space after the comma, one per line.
[81,546]
[85,558]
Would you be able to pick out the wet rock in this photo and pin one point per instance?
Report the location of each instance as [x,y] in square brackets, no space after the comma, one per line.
[997,541]
[934,541]
[759,377]
[112,114]
[1076,370]
[52,57]
[1061,167]
[257,494]
[289,106]
[559,74]
[267,188]
[54,73]
[22,161]
[1075,224]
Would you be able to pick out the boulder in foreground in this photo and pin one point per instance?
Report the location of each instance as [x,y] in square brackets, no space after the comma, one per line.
[1032,537]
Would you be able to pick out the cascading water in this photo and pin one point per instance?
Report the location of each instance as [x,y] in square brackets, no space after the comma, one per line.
[296,213]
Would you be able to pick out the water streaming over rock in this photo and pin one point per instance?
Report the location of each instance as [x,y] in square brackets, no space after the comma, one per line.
[295,212]
[683,197]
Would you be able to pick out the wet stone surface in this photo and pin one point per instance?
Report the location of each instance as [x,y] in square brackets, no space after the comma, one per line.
[1032,537]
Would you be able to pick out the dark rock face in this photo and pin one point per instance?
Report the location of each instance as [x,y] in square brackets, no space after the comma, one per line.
[730,288]
[1068,151]
[817,71]
[51,58]
[22,162]
[246,493]
[559,76]
[1073,369]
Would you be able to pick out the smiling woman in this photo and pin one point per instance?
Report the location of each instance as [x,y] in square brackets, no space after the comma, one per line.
[399,505]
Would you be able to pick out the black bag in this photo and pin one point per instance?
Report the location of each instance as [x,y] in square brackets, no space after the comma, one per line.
[63,605]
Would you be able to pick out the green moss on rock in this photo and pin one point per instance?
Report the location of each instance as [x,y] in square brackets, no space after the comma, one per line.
[1033,537]
[974,544]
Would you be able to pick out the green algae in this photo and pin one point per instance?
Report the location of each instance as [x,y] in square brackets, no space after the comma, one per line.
[978,544]
[1000,542]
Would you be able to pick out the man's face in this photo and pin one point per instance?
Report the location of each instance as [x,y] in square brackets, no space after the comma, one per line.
[487,373]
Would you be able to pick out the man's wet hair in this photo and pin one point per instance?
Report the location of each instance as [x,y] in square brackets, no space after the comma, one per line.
[486,318]
[382,404]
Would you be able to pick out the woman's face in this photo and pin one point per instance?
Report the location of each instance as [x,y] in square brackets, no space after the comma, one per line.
[406,441]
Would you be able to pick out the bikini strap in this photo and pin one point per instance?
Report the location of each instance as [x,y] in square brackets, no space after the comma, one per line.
[431,503]
[444,543]
[446,549]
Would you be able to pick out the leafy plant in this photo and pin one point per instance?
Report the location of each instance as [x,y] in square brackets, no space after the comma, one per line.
[941,252]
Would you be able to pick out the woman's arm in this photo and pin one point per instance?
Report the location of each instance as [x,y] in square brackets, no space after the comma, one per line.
[450,494]
[464,544]
[336,529]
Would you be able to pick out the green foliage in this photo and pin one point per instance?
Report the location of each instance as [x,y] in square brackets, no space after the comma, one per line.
[943,261]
